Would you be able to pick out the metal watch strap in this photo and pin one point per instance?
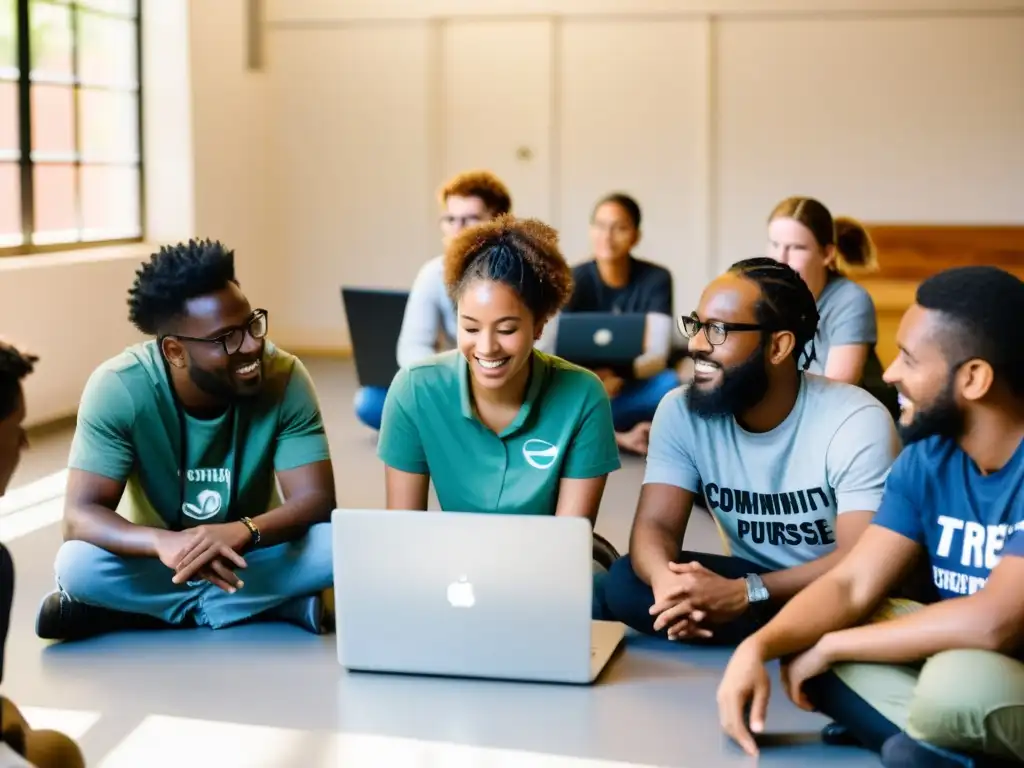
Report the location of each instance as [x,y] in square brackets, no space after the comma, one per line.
[757,592]
[255,531]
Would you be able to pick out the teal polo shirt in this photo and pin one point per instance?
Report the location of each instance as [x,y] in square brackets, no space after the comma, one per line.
[564,429]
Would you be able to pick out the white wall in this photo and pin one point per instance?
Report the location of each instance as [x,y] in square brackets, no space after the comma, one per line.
[708,112]
[70,308]
[323,168]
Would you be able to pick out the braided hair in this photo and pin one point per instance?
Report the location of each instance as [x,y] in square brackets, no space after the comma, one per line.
[786,303]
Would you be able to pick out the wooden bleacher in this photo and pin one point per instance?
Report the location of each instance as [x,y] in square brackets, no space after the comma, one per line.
[909,253]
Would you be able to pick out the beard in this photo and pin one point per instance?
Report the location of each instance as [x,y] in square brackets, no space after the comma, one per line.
[210,382]
[742,387]
[219,384]
[943,418]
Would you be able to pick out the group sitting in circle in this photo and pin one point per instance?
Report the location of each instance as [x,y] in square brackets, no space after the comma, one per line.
[200,483]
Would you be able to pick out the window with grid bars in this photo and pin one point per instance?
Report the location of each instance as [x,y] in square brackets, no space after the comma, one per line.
[70,124]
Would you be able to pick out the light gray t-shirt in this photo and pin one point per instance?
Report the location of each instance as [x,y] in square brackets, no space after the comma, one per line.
[429,324]
[776,495]
[847,316]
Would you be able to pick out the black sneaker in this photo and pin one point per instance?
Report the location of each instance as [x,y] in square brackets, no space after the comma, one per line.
[61,618]
[837,735]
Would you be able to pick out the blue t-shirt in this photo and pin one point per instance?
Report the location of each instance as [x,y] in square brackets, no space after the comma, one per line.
[936,496]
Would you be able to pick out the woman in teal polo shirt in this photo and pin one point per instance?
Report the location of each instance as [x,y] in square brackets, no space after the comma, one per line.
[496,424]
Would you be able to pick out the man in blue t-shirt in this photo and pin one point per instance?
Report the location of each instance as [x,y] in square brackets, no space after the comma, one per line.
[927,685]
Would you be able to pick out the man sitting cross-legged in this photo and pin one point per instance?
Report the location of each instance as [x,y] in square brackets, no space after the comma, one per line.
[792,466]
[172,513]
[942,685]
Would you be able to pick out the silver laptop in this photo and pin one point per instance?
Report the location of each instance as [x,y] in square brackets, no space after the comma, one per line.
[468,595]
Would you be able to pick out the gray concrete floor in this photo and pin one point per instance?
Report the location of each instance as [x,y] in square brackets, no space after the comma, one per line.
[275,696]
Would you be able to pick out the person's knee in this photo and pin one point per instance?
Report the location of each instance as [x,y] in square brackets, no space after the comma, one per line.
[53,749]
[663,383]
[957,693]
[369,406]
[318,547]
[42,748]
[625,596]
[78,568]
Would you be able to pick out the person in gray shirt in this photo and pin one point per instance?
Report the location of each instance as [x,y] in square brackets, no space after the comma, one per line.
[429,325]
[792,466]
[803,234]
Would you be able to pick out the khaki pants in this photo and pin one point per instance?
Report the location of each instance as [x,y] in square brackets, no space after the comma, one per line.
[963,700]
[41,749]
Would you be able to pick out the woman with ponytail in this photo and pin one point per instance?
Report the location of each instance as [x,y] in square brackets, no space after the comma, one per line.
[825,250]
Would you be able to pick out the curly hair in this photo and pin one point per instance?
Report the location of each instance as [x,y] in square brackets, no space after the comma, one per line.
[786,304]
[15,365]
[522,253]
[173,276]
[482,184]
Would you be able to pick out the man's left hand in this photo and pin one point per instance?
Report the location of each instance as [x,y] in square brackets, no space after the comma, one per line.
[202,548]
[711,599]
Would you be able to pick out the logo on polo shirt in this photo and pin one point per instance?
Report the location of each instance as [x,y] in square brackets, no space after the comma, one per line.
[540,454]
[205,491]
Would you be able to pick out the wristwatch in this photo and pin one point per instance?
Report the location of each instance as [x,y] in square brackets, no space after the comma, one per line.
[757,592]
[254,532]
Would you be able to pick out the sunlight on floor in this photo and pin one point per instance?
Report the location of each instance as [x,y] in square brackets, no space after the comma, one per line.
[71,722]
[171,741]
[32,506]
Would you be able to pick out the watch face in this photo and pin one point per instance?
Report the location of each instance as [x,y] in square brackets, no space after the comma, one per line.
[756,591]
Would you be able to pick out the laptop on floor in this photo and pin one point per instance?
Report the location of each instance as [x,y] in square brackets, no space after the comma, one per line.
[468,595]
[374,318]
[600,338]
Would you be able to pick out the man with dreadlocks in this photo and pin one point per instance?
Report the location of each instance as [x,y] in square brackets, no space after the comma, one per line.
[792,466]
[200,484]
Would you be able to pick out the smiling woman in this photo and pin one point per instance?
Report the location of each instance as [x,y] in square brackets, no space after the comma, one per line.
[496,424]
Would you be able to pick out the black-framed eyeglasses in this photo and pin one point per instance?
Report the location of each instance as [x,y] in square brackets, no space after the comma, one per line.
[233,339]
[715,331]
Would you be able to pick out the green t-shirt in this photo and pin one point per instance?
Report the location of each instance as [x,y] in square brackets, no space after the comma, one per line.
[129,430]
[564,429]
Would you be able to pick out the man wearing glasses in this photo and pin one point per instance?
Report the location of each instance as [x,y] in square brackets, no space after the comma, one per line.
[792,466]
[429,325]
[200,483]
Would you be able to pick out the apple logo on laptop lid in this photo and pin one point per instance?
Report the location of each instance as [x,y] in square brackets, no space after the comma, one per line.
[460,593]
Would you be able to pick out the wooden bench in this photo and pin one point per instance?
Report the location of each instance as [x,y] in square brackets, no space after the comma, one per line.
[908,253]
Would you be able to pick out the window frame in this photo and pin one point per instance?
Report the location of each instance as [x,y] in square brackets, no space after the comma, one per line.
[26,163]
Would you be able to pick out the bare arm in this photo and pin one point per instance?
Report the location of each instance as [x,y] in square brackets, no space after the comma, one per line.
[657,536]
[846,362]
[657,346]
[580,497]
[782,585]
[406,490]
[90,501]
[844,596]
[991,619]
[308,496]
